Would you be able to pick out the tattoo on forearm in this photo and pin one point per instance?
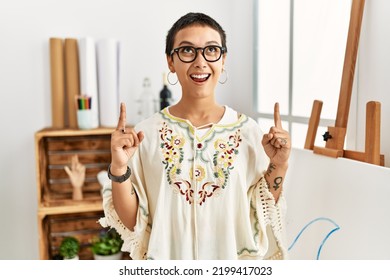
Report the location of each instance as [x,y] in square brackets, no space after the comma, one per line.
[271,167]
[277,182]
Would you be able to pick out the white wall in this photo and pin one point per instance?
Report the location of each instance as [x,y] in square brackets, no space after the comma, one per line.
[141,26]
[374,70]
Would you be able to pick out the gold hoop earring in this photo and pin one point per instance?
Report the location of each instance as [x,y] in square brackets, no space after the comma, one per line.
[226,76]
[172,84]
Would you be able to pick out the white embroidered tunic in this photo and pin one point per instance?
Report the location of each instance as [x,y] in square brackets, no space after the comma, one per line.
[202,193]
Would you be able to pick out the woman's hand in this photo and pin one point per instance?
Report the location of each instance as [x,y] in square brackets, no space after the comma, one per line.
[277,142]
[124,143]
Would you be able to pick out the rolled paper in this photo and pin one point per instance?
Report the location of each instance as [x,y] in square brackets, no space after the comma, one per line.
[108,81]
[72,80]
[88,76]
[57,74]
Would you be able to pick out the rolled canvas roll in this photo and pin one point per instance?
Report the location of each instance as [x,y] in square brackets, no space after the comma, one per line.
[72,80]
[108,81]
[88,75]
[57,70]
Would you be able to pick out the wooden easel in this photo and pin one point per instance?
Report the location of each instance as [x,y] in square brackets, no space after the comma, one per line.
[335,136]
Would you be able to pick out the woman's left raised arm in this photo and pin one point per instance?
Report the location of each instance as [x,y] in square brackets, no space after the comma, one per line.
[277,146]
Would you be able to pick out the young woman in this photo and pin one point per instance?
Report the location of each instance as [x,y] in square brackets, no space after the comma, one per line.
[198,180]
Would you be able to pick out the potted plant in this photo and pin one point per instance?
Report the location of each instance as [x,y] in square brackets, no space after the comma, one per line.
[107,245]
[69,248]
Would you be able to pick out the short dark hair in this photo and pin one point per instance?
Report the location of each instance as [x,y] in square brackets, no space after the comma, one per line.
[193,19]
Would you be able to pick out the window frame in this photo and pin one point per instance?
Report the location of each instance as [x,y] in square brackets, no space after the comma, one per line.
[289,117]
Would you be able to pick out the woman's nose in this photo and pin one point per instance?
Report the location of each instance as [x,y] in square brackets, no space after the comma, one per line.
[200,61]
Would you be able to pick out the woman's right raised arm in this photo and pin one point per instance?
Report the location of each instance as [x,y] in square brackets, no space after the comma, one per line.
[124,143]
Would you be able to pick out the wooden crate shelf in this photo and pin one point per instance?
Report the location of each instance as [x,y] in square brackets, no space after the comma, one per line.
[58,214]
[77,207]
[54,149]
[82,226]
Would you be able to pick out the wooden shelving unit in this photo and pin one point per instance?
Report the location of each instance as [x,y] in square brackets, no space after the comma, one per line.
[58,214]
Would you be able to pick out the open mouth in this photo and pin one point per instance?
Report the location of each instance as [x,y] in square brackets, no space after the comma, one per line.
[199,77]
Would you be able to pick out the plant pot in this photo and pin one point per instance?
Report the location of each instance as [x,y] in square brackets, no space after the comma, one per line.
[72,259]
[117,256]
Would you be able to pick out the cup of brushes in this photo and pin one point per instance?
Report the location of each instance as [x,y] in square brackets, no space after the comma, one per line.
[84,112]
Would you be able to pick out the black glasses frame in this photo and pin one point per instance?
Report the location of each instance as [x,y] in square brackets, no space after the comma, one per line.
[222,51]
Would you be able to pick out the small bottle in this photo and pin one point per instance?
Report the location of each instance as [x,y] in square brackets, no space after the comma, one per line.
[165,94]
[146,100]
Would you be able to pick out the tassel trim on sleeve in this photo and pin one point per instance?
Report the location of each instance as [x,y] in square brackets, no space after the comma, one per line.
[269,214]
[135,242]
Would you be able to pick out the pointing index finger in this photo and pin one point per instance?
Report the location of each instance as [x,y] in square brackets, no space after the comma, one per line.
[277,119]
[122,117]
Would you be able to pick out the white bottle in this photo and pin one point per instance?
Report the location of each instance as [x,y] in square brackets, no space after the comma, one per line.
[147,100]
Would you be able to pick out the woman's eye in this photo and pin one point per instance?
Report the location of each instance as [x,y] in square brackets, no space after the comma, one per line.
[187,50]
[211,49]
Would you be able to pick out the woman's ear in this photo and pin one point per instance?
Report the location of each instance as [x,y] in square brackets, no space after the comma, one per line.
[223,59]
[170,63]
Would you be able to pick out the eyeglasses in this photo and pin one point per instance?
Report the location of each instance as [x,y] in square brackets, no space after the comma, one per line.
[188,54]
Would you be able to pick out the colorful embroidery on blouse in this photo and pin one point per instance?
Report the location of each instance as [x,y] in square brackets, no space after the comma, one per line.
[172,150]
[226,151]
[224,156]
[185,189]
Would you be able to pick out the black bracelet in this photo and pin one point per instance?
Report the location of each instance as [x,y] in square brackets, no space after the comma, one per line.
[119,179]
